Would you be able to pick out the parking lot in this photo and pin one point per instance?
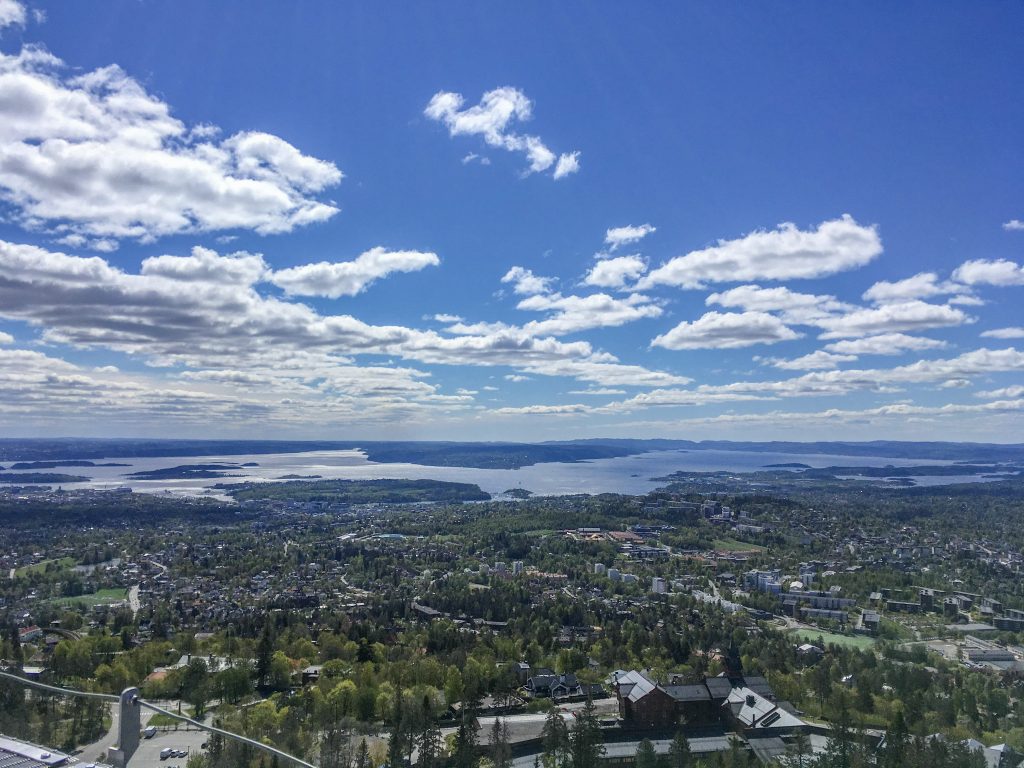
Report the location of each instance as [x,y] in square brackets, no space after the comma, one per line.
[148,754]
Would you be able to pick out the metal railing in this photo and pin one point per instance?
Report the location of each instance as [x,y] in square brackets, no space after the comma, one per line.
[130,721]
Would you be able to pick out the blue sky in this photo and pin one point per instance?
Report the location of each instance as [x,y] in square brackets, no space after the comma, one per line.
[512,220]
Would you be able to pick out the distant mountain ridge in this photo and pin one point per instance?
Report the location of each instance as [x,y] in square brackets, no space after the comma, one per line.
[506,455]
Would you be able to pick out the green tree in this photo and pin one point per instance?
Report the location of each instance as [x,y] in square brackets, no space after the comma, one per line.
[679,751]
[586,744]
[555,740]
[646,757]
[501,752]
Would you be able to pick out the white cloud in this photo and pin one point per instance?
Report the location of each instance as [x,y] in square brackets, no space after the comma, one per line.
[815,361]
[921,286]
[799,308]
[907,316]
[836,382]
[445,318]
[492,119]
[1014,225]
[616,237]
[95,155]
[543,410]
[884,344]
[681,397]
[12,14]
[568,164]
[616,272]
[729,330]
[999,272]
[6,338]
[1013,391]
[572,314]
[598,391]
[784,253]
[834,416]
[202,309]
[474,157]
[954,384]
[349,278]
[607,373]
[516,377]
[525,282]
[1004,333]
[207,266]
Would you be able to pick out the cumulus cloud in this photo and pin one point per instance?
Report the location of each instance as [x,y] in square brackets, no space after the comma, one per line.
[977,362]
[889,318]
[833,416]
[780,254]
[921,286]
[94,155]
[597,391]
[543,410]
[800,308]
[1011,392]
[681,397]
[884,344]
[12,14]
[1014,225]
[200,310]
[999,272]
[815,361]
[1015,332]
[728,330]
[616,237]
[568,164]
[615,272]
[6,338]
[525,282]
[349,278]
[572,314]
[492,119]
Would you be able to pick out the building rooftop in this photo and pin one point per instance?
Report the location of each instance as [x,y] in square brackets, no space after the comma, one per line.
[21,754]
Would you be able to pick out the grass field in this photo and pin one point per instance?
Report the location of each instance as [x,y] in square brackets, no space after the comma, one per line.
[854,641]
[25,570]
[732,545]
[102,597]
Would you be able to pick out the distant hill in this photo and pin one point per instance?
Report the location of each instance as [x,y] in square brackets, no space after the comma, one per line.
[496,455]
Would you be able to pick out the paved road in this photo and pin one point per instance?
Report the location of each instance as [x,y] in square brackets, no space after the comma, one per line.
[528,726]
[97,751]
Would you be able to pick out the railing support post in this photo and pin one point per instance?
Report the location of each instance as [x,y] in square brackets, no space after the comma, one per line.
[129,727]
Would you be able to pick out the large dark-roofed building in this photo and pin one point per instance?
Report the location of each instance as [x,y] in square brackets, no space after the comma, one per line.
[643,703]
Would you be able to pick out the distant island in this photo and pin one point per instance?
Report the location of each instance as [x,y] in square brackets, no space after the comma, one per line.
[64,463]
[518,493]
[357,491]
[186,472]
[790,465]
[41,477]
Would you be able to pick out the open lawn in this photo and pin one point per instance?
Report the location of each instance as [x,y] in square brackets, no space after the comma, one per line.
[850,641]
[61,564]
[100,597]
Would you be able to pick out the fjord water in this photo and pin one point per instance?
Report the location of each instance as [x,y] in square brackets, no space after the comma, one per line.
[630,474]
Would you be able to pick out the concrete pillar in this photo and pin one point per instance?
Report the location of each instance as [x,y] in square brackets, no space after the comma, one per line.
[129,729]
